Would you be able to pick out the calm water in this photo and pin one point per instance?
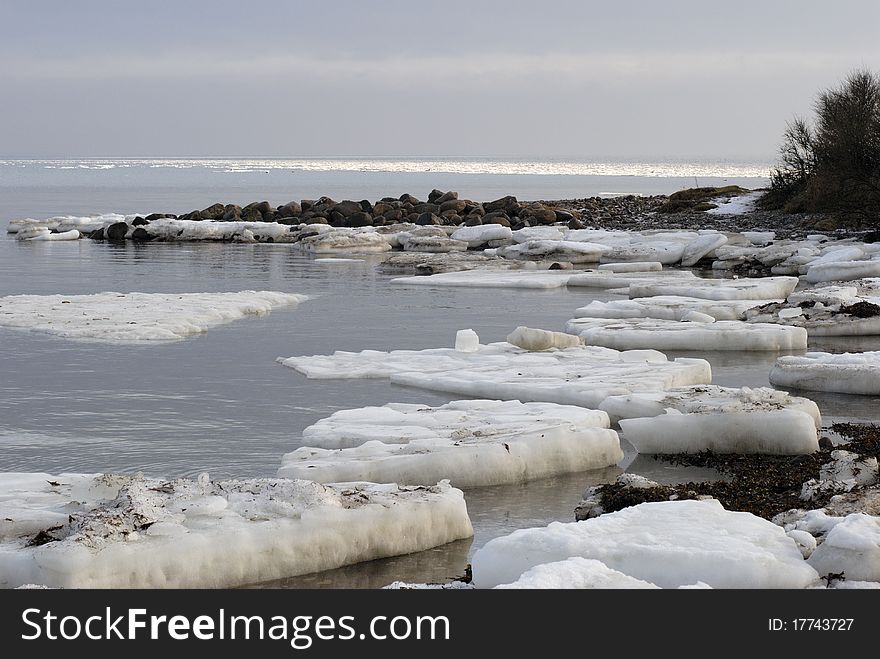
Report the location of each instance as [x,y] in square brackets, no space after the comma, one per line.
[219,402]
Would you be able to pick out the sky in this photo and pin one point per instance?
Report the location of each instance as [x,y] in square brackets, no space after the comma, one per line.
[556,78]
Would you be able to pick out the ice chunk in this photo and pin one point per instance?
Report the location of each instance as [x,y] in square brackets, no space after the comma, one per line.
[478,236]
[708,399]
[578,574]
[399,423]
[842,271]
[492,279]
[136,317]
[467,340]
[847,373]
[345,240]
[97,531]
[701,247]
[827,295]
[657,334]
[574,376]
[670,543]
[167,229]
[668,307]
[475,444]
[73,234]
[633,266]
[440,245]
[537,233]
[854,319]
[531,339]
[573,251]
[852,548]
[759,237]
[697,317]
[720,289]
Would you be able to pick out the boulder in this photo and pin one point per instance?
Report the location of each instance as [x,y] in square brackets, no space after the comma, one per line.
[347,208]
[446,196]
[290,209]
[434,195]
[116,231]
[409,199]
[454,205]
[231,213]
[140,235]
[156,216]
[139,221]
[508,204]
[360,219]
[213,212]
[428,219]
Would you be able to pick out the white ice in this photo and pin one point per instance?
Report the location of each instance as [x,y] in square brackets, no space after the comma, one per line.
[633,266]
[852,547]
[575,573]
[112,531]
[572,251]
[136,317]
[582,376]
[657,334]
[766,288]
[670,544]
[532,339]
[478,236]
[471,443]
[842,271]
[701,248]
[492,279]
[168,229]
[345,240]
[668,307]
[846,373]
[738,205]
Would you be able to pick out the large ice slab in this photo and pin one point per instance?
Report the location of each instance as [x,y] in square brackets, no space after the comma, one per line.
[64,223]
[565,250]
[852,319]
[112,531]
[582,376]
[768,288]
[135,317]
[575,573]
[622,279]
[169,230]
[847,373]
[670,544]
[851,548]
[345,240]
[480,235]
[719,419]
[842,271]
[657,334]
[492,279]
[471,443]
[668,307]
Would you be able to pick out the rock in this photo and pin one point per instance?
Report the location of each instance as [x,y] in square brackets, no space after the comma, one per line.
[473,220]
[428,218]
[251,214]
[116,231]
[139,221]
[393,215]
[409,199]
[140,235]
[268,216]
[454,205]
[290,209]
[563,215]
[446,196]
[347,208]
[366,206]
[508,204]
[156,216]
[231,213]
[871,237]
[496,218]
[434,195]
[360,219]
[382,207]
[540,214]
[314,219]
[213,212]
[427,208]
[337,219]
[97,234]
[474,209]
[575,224]
[307,204]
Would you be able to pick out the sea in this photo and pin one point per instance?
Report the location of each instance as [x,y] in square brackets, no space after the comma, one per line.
[219,403]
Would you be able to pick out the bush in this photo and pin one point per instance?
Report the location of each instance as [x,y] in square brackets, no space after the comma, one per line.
[833,165]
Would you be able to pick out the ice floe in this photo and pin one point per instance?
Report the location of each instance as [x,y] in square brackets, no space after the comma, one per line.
[658,334]
[859,317]
[668,307]
[471,443]
[114,531]
[478,236]
[582,376]
[492,279]
[135,317]
[343,240]
[532,339]
[767,288]
[851,548]
[847,373]
[719,419]
[575,573]
[670,544]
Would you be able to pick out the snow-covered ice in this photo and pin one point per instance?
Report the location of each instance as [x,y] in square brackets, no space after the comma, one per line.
[632,266]
[532,339]
[575,573]
[852,547]
[738,205]
[115,531]
[658,334]
[564,250]
[471,443]
[670,544]
[847,373]
[136,317]
[480,235]
[767,288]
[492,279]
[719,419]
[668,307]
[344,240]
[582,376]
[168,229]
[822,319]
[701,248]
[842,271]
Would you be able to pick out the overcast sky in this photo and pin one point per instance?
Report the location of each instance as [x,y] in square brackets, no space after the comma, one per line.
[573,78]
